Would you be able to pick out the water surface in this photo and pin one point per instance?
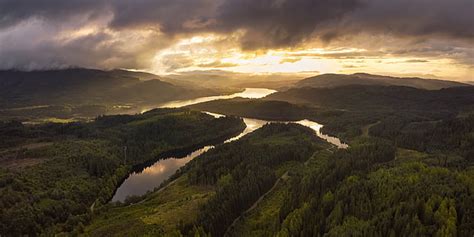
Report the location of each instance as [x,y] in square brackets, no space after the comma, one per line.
[138,183]
[251,93]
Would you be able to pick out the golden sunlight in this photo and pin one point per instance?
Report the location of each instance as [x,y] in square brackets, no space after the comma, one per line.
[216,52]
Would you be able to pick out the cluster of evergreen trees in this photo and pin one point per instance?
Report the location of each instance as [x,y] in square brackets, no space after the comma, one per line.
[372,188]
[453,136]
[362,191]
[87,162]
[392,199]
[244,170]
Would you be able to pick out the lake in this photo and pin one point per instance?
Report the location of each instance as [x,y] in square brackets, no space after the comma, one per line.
[251,93]
[139,183]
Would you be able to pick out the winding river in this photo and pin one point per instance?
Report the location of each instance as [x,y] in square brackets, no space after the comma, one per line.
[138,183]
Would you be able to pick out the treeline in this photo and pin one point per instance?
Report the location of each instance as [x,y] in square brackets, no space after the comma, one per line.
[87,161]
[50,112]
[244,170]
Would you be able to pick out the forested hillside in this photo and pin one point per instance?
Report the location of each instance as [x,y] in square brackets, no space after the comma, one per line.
[378,102]
[408,170]
[283,181]
[214,189]
[73,93]
[388,98]
[83,86]
[428,121]
[54,175]
[368,190]
[337,80]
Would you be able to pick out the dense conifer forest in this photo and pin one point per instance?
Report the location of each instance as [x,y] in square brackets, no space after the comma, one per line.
[54,175]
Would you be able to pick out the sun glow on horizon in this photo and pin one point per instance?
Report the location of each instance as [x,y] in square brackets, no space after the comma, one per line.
[212,52]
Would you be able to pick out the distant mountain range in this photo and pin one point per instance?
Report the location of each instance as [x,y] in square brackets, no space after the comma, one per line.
[121,87]
[336,80]
[86,86]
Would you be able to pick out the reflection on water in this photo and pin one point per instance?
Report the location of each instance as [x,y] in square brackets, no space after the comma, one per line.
[252,125]
[151,177]
[253,93]
[138,183]
[317,128]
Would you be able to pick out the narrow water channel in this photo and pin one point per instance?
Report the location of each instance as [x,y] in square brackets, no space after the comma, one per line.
[138,183]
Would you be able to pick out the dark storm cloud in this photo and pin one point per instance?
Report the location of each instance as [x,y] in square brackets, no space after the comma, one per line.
[262,24]
[279,23]
[282,23]
[37,45]
[453,18]
[13,12]
[172,16]
[266,23]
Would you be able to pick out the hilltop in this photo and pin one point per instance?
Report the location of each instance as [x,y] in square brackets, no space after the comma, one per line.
[336,80]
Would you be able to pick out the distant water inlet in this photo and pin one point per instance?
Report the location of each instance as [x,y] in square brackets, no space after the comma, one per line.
[251,93]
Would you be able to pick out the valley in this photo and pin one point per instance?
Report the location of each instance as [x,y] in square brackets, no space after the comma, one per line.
[236,118]
[259,162]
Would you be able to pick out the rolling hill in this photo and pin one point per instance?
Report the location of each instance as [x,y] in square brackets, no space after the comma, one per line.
[335,80]
[87,86]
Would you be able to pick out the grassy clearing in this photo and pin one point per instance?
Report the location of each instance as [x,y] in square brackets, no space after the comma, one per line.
[160,213]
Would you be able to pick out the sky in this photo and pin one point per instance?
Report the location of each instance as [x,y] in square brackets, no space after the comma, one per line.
[425,38]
